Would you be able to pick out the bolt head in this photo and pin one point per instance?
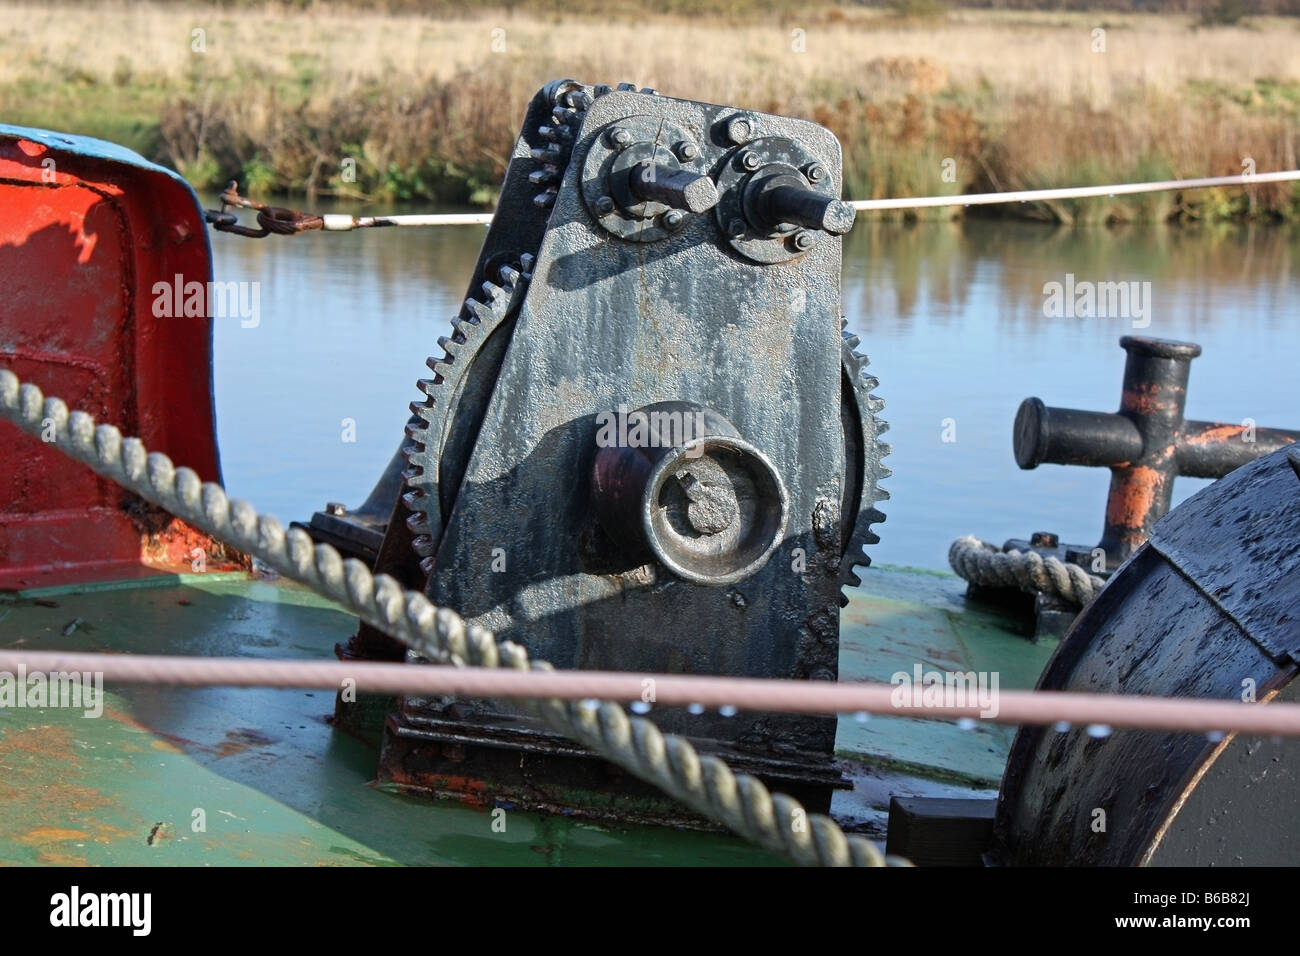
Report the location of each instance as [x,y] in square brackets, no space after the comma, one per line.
[740,129]
[687,151]
[736,228]
[620,138]
[673,219]
[803,240]
[750,160]
[815,172]
[604,205]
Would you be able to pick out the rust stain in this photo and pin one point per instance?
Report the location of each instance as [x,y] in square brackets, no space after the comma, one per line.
[1216,435]
[239,741]
[1131,500]
[52,835]
[56,858]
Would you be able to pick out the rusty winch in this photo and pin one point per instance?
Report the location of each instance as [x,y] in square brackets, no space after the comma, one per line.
[647,445]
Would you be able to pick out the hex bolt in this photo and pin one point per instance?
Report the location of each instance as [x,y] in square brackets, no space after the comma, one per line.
[736,228]
[686,151]
[815,172]
[604,205]
[740,129]
[803,240]
[673,219]
[750,160]
[619,138]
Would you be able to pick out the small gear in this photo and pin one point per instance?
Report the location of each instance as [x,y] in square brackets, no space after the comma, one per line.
[863,461]
[446,423]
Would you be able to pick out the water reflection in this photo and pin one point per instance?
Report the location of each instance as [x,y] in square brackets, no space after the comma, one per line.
[951,314]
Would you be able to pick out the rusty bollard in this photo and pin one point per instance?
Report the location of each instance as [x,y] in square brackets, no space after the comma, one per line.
[1146,444]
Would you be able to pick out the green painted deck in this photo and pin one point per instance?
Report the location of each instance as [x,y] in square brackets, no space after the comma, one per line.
[272,782]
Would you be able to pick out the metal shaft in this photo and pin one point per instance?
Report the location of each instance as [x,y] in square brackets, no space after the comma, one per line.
[677,188]
[787,201]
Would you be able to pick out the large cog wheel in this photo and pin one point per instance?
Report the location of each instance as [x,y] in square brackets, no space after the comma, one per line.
[447,420]
[863,461]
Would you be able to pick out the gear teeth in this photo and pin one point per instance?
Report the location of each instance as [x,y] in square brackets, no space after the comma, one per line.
[560,133]
[600,89]
[545,200]
[552,154]
[578,99]
[470,329]
[567,117]
[418,524]
[627,87]
[423,545]
[480,311]
[544,177]
[873,450]
[427,565]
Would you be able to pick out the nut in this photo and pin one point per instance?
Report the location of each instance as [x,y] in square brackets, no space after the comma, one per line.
[686,151]
[803,240]
[619,138]
[673,219]
[736,228]
[815,172]
[604,205]
[750,160]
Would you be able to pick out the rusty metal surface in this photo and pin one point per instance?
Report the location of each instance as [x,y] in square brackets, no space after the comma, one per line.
[86,230]
[1208,608]
[1146,444]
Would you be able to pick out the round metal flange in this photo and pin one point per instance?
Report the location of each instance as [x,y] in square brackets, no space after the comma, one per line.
[613,155]
[715,510]
[741,175]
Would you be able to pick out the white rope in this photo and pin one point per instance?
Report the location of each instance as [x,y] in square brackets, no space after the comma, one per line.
[337,222]
[982,563]
[1074,192]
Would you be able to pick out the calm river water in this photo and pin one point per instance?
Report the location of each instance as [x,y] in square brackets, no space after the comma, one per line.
[952,315]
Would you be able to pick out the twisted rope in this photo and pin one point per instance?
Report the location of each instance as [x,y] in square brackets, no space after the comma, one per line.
[704,783]
[982,563]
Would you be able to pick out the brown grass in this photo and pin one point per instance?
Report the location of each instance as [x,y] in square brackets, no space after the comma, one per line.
[428,109]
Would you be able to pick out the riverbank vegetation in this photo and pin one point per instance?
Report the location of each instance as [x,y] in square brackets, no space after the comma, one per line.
[383,101]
